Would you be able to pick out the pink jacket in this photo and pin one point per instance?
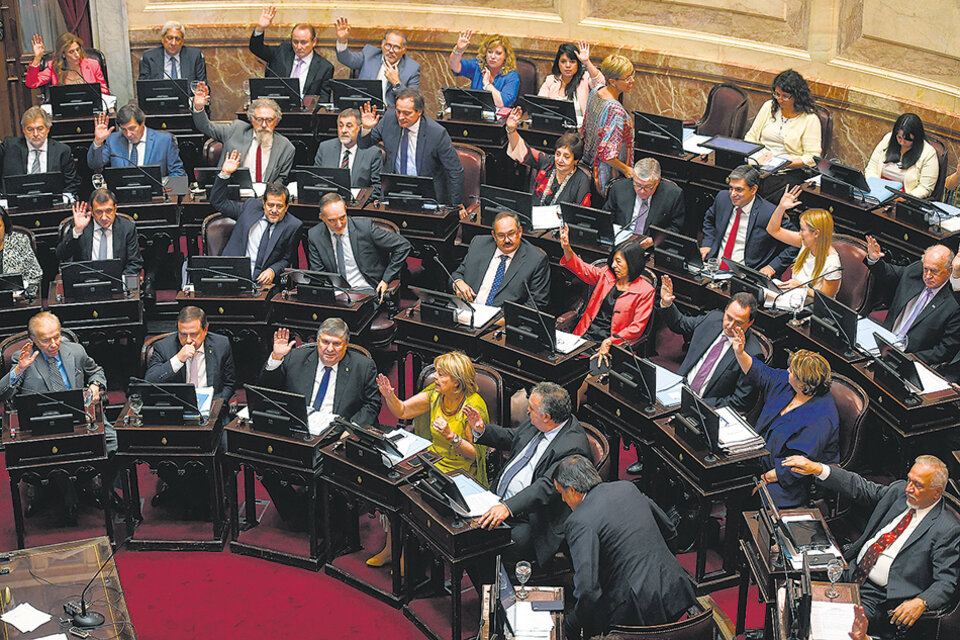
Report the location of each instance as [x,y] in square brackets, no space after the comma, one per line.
[89,69]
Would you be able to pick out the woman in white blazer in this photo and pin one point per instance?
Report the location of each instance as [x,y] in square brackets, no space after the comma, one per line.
[904,155]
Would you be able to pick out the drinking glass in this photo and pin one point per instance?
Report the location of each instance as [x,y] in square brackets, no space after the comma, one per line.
[136,404]
[797,303]
[523,574]
[834,571]
[193,86]
[443,104]
[245,85]
[712,267]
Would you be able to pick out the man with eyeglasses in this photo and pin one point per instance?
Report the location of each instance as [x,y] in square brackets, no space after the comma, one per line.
[172,59]
[646,201]
[294,59]
[268,155]
[343,152]
[500,268]
[387,63]
[35,152]
[134,145]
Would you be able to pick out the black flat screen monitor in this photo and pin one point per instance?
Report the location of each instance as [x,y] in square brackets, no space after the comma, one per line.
[239,179]
[445,485]
[169,403]
[834,322]
[528,329]
[549,114]
[899,361]
[169,95]
[320,287]
[220,275]
[315,182]
[468,104]
[372,438]
[493,200]
[657,133]
[675,251]
[91,279]
[52,412]
[279,412]
[731,152]
[588,226]
[700,419]
[912,209]
[353,93]
[284,91]
[32,192]
[843,173]
[76,100]
[503,595]
[440,308]
[632,377]
[134,184]
[408,193]
[750,280]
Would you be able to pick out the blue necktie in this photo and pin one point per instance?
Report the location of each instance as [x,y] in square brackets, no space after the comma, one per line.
[174,73]
[322,391]
[497,279]
[133,154]
[512,472]
[404,144]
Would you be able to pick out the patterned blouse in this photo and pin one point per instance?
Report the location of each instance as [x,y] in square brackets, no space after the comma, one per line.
[607,134]
[18,257]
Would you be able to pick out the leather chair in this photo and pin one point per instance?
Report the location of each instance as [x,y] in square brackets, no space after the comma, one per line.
[856,287]
[826,130]
[210,155]
[852,404]
[489,386]
[474,170]
[93,54]
[725,113]
[216,232]
[11,345]
[943,158]
[529,81]
[698,627]
[599,451]
[146,351]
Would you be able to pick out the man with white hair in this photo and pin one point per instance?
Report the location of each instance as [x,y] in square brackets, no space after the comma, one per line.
[646,201]
[172,59]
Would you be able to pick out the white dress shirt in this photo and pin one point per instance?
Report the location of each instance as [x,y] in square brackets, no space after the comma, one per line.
[253,243]
[250,160]
[141,149]
[99,234]
[354,277]
[740,242]
[696,368]
[31,154]
[484,291]
[908,310]
[352,151]
[524,477]
[304,69]
[201,360]
[326,413]
[168,67]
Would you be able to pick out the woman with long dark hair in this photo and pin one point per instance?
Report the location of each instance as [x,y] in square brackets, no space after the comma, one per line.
[905,156]
[787,125]
[572,76]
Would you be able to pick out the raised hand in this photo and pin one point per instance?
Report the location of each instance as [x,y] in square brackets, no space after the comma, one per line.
[266,17]
[666,291]
[186,352]
[343,30]
[474,419]
[513,120]
[383,383]
[37,43]
[873,250]
[231,163]
[282,344]
[27,356]
[464,40]
[201,96]
[101,128]
[790,198]
[81,216]
[738,341]
[368,116]
[564,237]
[583,51]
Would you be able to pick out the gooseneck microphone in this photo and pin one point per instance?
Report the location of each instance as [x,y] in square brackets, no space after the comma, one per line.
[80,616]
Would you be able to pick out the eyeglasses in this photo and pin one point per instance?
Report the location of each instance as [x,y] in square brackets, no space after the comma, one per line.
[780,95]
[392,47]
[507,236]
[265,120]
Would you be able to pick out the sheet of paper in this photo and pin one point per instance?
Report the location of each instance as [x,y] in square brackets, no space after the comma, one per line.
[294,190]
[409,445]
[878,189]
[319,422]
[567,342]
[669,387]
[622,234]
[259,188]
[798,517]
[355,192]
[734,429]
[478,498]
[482,314]
[788,301]
[830,620]
[25,617]
[931,381]
[546,217]
[527,622]
[692,142]
[865,340]
[205,400]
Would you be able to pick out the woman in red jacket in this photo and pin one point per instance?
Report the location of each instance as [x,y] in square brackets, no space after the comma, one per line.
[621,302]
[68,66]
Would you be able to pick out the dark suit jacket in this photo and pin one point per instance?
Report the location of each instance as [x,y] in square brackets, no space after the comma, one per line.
[368,62]
[280,59]
[761,249]
[81,370]
[366,163]
[529,264]
[928,564]
[539,504]
[667,210]
[282,247]
[379,254]
[623,571]
[436,156]
[161,149]
[126,245]
[221,374]
[15,155]
[356,397]
[153,64]
[726,386]
[934,336]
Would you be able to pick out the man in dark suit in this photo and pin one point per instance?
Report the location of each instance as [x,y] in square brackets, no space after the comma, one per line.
[367,256]
[496,268]
[35,152]
[530,503]
[110,237]
[45,364]
[334,380]
[264,232]
[646,201]
[923,310]
[623,571]
[133,145]
[387,63]
[172,59]
[343,152]
[735,227]
[908,558]
[294,59]
[414,145]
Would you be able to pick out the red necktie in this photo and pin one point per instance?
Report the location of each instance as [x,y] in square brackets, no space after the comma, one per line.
[865,566]
[259,164]
[731,240]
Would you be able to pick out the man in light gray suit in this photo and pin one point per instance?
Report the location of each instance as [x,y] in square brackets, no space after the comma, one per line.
[268,155]
[342,151]
[387,63]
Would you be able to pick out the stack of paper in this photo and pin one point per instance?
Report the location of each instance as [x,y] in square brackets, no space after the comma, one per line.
[567,342]
[736,436]
[865,340]
[785,300]
[950,221]
[482,314]
[478,499]
[668,387]
[409,444]
[879,191]
[529,624]
[692,142]
[546,217]
[830,620]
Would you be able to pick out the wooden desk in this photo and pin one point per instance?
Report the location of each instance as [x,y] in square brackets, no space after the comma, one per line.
[533,594]
[840,361]
[456,544]
[180,445]
[51,575]
[14,319]
[849,594]
[356,309]
[523,368]
[40,456]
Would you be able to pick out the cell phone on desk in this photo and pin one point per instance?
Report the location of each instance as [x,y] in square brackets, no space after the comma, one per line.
[546,605]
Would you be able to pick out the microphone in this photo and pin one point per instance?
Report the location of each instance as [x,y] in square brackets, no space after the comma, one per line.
[356,90]
[228,274]
[651,393]
[803,284]
[565,121]
[285,81]
[111,155]
[550,335]
[308,437]
[88,269]
[661,128]
[169,395]
[436,258]
[78,610]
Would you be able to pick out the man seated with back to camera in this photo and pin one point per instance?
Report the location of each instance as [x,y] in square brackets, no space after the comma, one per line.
[343,152]
[264,232]
[334,380]
[109,237]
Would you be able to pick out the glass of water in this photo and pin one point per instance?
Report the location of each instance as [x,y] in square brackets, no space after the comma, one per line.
[797,302]
[245,85]
[834,571]
[136,405]
[442,101]
[193,86]
[523,574]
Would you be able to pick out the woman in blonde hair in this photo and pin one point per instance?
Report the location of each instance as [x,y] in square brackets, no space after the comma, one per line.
[68,66]
[817,256]
[798,417]
[607,129]
[493,70]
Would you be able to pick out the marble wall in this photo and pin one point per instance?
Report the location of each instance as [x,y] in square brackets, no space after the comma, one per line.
[866,60]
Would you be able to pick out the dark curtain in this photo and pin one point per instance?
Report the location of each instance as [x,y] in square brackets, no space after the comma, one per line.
[77,17]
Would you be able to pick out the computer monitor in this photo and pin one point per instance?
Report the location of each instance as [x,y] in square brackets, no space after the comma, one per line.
[441,308]
[503,595]
[750,281]
[633,377]
[239,179]
[914,210]
[169,95]
[315,182]
[76,100]
[446,488]
[372,438]
[320,287]
[842,173]
[51,412]
[408,193]
[700,421]
[834,322]
[354,93]
[674,251]
[731,152]
[33,192]
[279,412]
[284,91]
[220,275]
[904,366]
[657,133]
[493,200]
[550,114]
[528,329]
[134,184]
[10,283]
[91,279]
[168,403]
[588,226]
[468,104]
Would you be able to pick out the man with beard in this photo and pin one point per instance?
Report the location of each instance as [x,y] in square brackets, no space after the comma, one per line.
[343,152]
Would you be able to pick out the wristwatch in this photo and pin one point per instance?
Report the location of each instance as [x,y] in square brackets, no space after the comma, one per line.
[456,440]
